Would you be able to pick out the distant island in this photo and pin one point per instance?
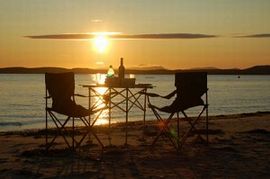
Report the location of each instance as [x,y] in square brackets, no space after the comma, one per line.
[255,70]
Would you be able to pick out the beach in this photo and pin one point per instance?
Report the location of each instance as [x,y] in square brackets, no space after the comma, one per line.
[94,89]
[238,148]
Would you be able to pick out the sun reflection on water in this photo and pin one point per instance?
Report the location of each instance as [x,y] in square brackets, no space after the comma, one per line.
[99,78]
[98,100]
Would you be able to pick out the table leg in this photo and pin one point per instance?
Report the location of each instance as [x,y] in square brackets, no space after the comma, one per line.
[144,107]
[144,113]
[178,131]
[89,104]
[126,115]
[89,117]
[110,116]
[46,114]
[207,139]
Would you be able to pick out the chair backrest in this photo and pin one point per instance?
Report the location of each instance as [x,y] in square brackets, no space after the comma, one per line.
[191,84]
[60,86]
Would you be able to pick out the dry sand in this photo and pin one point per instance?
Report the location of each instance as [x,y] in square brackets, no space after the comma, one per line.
[239,148]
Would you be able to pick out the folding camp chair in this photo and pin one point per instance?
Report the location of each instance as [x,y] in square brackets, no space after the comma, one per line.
[190,87]
[60,89]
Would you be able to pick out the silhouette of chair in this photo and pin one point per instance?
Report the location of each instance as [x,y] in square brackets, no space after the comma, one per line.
[60,89]
[190,87]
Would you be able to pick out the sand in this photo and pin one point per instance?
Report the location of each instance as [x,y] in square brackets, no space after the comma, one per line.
[239,147]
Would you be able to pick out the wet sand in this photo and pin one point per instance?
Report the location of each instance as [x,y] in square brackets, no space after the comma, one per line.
[239,147]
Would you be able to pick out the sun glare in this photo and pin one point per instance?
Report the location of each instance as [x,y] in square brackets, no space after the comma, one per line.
[101,43]
[100,79]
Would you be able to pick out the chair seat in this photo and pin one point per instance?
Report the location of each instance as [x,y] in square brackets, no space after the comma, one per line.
[71,109]
[181,105]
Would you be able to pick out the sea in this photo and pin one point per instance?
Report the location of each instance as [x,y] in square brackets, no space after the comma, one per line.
[22,103]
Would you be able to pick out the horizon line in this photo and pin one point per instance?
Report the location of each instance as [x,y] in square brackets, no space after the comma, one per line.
[142,68]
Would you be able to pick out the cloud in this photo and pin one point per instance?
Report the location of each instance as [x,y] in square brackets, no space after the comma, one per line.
[165,36]
[255,36]
[96,21]
[124,36]
[62,36]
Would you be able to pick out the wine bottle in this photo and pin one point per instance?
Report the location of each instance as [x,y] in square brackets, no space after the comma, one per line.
[121,70]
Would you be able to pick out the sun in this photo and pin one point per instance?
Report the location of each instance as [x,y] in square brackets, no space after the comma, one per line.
[101,43]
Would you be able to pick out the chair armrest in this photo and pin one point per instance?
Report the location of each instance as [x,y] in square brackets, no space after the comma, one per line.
[150,94]
[80,95]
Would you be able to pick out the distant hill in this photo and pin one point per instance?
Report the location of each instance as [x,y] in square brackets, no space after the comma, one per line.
[158,67]
[204,68]
[263,69]
[256,70]
[41,70]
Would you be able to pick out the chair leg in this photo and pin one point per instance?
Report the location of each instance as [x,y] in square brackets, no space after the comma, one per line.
[59,127]
[99,141]
[165,131]
[156,138]
[206,105]
[73,134]
[178,131]
[46,116]
[89,131]
[58,134]
[207,134]
[46,128]
[192,126]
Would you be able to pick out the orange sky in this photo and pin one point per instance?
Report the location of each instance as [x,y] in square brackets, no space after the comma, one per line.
[224,19]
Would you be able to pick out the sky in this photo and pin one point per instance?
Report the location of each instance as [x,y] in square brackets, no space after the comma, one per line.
[231,22]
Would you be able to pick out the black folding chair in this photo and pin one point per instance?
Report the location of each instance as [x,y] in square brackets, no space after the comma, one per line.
[190,87]
[60,89]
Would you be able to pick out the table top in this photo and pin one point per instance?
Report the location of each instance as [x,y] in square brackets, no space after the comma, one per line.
[140,85]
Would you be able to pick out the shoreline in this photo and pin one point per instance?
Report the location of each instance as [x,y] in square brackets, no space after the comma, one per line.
[239,147]
[139,122]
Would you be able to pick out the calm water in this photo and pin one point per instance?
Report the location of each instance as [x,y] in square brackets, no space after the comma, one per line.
[22,103]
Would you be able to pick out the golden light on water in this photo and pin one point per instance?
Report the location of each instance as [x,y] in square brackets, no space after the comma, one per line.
[103,118]
[98,101]
[131,76]
[99,78]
